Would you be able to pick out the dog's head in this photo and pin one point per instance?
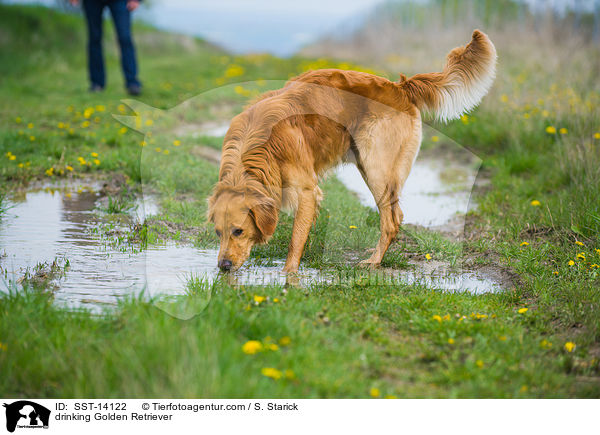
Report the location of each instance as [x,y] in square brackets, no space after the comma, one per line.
[241,219]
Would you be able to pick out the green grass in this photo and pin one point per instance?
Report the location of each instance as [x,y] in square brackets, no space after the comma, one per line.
[344,340]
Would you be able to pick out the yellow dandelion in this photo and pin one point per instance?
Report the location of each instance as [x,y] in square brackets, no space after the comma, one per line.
[535,203]
[352,227]
[50,172]
[596,135]
[551,130]
[18,120]
[374,392]
[502,338]
[158,149]
[570,346]
[251,347]
[545,344]
[88,112]
[504,98]
[571,263]
[12,157]
[285,341]
[123,130]
[435,139]
[85,124]
[563,131]
[100,108]
[96,162]
[522,310]
[524,388]
[581,256]
[289,374]
[94,154]
[176,142]
[271,372]
[555,272]
[259,299]
[21,165]
[273,347]
[437,318]
[524,244]
[578,243]
[30,125]
[428,256]
[451,341]
[464,119]
[61,125]
[479,363]
[143,143]
[166,152]
[69,168]
[276,300]
[597,251]
[149,122]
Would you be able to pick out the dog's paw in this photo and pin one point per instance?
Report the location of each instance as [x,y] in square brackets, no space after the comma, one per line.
[369,263]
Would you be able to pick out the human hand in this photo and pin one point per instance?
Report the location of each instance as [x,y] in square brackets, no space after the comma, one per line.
[132,5]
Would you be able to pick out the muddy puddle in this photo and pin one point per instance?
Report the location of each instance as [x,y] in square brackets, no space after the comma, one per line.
[86,258]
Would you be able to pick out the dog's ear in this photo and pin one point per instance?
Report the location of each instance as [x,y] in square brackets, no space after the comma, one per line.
[265,215]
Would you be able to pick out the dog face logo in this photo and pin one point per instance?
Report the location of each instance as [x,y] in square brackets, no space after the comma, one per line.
[26,414]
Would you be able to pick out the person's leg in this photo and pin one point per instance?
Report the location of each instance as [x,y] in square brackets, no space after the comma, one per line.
[93,15]
[122,19]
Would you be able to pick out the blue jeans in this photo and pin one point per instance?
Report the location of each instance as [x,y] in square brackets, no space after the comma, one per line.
[122,18]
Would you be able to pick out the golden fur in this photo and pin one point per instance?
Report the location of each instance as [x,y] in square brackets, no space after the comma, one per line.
[277,149]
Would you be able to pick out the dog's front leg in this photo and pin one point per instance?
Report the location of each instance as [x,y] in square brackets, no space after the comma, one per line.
[303,220]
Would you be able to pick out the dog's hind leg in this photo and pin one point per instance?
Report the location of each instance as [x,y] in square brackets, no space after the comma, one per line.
[384,159]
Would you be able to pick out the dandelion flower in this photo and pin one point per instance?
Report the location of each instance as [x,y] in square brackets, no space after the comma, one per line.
[555,272]
[88,112]
[535,203]
[272,373]
[596,135]
[428,256]
[563,131]
[32,138]
[176,142]
[12,157]
[570,346]
[437,318]
[94,154]
[50,172]
[504,98]
[551,130]
[502,338]
[30,125]
[571,263]
[273,347]
[18,120]
[581,256]
[69,168]
[259,299]
[578,243]
[479,363]
[96,162]
[435,139]
[545,344]
[524,244]
[352,227]
[451,341]
[123,130]
[149,122]
[251,347]
[289,374]
[522,310]
[285,341]
[374,392]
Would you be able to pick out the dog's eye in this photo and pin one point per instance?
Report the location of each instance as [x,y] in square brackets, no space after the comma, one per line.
[237,232]
[218,233]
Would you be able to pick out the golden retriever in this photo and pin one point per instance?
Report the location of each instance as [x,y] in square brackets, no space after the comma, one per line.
[278,148]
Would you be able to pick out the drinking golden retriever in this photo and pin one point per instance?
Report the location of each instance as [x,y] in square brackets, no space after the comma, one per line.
[277,149]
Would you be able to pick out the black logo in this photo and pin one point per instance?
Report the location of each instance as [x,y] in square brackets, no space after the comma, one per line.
[26,414]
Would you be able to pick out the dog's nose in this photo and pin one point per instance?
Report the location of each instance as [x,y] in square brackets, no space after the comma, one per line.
[225,264]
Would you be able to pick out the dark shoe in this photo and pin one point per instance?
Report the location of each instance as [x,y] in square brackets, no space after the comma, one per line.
[96,88]
[134,89]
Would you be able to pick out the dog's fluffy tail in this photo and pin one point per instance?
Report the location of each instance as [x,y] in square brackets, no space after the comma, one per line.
[466,78]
